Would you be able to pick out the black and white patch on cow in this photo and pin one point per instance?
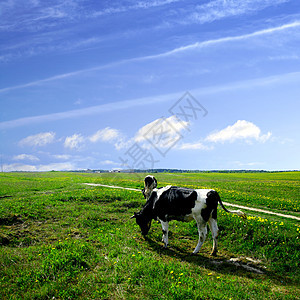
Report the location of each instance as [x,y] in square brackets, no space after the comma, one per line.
[182,204]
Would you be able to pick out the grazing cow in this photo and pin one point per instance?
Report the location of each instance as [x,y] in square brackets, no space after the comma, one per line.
[182,204]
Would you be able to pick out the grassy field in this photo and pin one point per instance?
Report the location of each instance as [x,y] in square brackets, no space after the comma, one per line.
[60,239]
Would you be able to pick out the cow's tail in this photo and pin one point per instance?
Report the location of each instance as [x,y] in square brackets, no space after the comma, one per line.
[236,212]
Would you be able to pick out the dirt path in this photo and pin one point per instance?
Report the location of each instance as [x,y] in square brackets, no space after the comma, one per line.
[263,211]
[225,203]
[112,186]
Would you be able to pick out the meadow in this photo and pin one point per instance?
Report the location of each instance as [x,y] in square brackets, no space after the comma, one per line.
[61,239]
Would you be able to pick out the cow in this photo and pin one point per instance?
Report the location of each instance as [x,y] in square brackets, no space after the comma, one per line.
[182,204]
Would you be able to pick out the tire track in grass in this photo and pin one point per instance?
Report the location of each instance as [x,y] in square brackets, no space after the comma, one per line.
[225,203]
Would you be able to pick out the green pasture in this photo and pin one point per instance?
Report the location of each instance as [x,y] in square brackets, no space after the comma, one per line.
[61,239]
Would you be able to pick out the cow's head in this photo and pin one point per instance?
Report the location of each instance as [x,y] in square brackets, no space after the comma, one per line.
[143,222]
[150,183]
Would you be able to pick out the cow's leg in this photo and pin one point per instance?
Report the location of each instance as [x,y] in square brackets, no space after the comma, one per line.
[214,231]
[165,228]
[202,229]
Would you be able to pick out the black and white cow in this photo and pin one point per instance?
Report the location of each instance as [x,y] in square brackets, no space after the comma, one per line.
[182,204]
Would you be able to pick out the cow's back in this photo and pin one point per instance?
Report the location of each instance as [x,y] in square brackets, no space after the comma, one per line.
[174,202]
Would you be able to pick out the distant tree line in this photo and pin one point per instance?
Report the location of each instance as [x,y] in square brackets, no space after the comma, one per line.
[176,171]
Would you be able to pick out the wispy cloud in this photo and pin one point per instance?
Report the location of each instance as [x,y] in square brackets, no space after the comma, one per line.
[197,45]
[50,43]
[247,164]
[284,57]
[40,139]
[110,163]
[50,79]
[127,104]
[92,110]
[194,146]
[137,6]
[228,39]
[220,9]
[62,156]
[48,27]
[26,157]
[36,15]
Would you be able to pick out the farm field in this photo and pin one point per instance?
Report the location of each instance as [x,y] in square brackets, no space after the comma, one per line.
[61,239]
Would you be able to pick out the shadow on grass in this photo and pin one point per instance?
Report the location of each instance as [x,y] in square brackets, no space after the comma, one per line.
[224,263]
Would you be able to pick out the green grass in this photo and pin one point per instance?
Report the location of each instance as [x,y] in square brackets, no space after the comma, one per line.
[60,239]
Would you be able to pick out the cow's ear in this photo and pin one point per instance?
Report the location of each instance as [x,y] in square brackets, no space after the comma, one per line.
[155,182]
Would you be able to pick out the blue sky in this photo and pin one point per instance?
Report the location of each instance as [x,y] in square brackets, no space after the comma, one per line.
[149,84]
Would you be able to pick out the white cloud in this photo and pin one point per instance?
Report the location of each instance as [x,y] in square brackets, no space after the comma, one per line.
[110,135]
[105,135]
[62,156]
[264,137]
[247,164]
[38,168]
[40,139]
[123,143]
[19,167]
[109,162]
[26,157]
[240,130]
[194,146]
[161,133]
[66,166]
[74,142]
